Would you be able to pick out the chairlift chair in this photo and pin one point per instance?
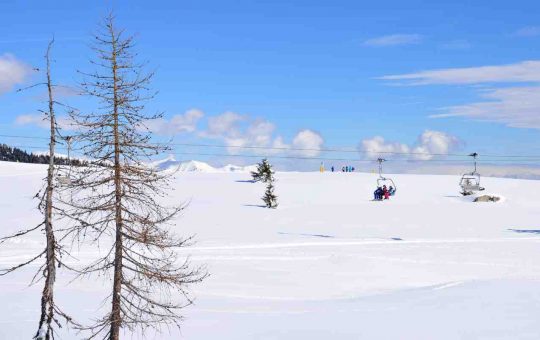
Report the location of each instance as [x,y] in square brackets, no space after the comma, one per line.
[381,181]
[470,182]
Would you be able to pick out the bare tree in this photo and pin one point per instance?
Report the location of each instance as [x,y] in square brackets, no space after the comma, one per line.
[52,252]
[117,200]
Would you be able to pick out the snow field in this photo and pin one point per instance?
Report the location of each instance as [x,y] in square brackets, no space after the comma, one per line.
[329,262]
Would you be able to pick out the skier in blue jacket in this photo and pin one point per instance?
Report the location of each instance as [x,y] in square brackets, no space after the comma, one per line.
[378,194]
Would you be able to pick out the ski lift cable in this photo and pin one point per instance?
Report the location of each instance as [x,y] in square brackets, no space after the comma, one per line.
[345,150]
[342,159]
[25,137]
[355,160]
[498,160]
[337,150]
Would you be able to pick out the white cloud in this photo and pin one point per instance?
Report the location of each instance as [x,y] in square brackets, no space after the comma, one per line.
[394,40]
[378,147]
[279,144]
[517,107]
[428,144]
[238,131]
[12,72]
[179,123]
[526,71]
[225,124]
[432,143]
[529,31]
[42,121]
[32,119]
[308,140]
[259,132]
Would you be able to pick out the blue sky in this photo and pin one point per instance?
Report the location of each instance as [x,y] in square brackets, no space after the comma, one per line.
[287,67]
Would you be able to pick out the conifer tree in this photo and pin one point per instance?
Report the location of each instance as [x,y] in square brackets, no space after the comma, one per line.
[265,174]
[269,198]
[262,171]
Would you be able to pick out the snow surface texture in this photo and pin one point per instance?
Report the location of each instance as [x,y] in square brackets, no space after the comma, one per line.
[329,263]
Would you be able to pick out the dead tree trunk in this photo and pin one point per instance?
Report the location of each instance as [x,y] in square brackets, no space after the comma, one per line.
[117,200]
[47,271]
[116,317]
[47,297]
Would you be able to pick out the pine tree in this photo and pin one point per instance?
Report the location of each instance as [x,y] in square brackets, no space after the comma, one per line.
[263,168]
[269,198]
[265,174]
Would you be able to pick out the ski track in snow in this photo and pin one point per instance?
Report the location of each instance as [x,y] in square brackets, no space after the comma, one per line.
[362,242]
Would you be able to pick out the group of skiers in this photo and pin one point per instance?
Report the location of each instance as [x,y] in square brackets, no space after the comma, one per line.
[384,193]
[346,168]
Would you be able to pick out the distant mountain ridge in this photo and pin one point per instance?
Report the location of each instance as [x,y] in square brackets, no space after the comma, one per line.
[170,163]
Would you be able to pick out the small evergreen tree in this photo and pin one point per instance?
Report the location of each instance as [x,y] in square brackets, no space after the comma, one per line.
[265,174]
[269,198]
[264,169]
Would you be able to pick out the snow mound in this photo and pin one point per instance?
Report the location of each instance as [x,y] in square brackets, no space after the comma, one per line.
[165,164]
[236,168]
[170,163]
[195,166]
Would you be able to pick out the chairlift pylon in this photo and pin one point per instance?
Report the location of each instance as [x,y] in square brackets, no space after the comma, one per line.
[470,182]
[66,180]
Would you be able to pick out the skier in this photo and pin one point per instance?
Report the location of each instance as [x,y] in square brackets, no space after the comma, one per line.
[386,193]
[332,168]
[377,195]
[392,191]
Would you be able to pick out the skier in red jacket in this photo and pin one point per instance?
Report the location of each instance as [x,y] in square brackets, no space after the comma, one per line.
[386,193]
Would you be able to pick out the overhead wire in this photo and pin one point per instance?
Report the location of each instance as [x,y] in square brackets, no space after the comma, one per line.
[272,150]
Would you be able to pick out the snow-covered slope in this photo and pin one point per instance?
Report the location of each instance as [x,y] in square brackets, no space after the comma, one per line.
[328,263]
